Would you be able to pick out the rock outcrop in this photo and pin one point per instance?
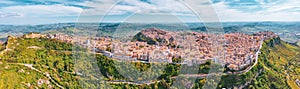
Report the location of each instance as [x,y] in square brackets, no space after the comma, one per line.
[154,36]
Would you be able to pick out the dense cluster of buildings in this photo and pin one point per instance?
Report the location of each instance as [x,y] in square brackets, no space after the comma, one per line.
[239,50]
[266,35]
[141,51]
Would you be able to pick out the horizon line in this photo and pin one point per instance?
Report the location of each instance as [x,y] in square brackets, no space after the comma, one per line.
[116,22]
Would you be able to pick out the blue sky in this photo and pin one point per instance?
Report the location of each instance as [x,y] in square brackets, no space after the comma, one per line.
[20,12]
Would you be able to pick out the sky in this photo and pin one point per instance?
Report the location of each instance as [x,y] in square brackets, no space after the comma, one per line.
[32,12]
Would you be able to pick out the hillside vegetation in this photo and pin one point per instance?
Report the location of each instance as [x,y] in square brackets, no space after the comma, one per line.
[277,68]
[280,62]
[46,63]
[26,62]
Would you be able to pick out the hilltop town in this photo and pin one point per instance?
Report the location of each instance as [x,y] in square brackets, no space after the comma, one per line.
[156,45]
[237,51]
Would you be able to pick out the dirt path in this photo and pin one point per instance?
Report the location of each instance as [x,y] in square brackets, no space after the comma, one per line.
[45,73]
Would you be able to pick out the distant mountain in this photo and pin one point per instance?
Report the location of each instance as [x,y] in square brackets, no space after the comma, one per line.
[229,29]
[287,30]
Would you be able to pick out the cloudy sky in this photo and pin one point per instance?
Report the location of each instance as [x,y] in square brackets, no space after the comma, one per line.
[20,12]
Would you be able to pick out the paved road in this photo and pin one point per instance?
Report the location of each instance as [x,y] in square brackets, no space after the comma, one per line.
[256,59]
[135,83]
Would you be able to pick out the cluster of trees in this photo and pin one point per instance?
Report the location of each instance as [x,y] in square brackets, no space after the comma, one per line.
[114,71]
[141,37]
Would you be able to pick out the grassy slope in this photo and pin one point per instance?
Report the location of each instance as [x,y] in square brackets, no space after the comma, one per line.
[11,77]
[51,57]
[281,64]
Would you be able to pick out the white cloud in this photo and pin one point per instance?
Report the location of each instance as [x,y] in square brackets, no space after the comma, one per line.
[43,10]
[136,6]
[6,15]
[98,7]
[39,14]
[271,12]
[203,9]
[283,6]
[129,7]
[279,10]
